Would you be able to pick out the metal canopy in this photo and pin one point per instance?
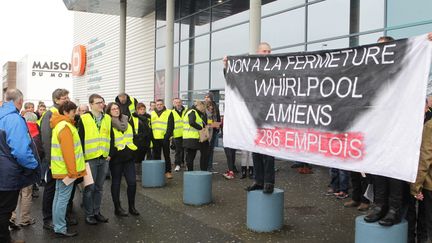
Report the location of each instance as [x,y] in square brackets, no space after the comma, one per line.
[135,8]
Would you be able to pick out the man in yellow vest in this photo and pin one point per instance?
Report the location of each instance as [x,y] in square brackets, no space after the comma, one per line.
[94,130]
[127,104]
[179,112]
[59,96]
[162,123]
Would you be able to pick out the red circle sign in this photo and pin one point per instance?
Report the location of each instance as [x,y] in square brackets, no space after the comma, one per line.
[79,58]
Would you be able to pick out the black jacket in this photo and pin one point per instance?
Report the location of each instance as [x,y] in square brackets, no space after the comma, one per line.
[143,137]
[124,108]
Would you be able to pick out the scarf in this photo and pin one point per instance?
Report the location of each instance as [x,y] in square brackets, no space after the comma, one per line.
[122,124]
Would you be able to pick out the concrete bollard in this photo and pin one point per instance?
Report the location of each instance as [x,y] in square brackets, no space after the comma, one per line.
[153,173]
[374,233]
[197,187]
[265,212]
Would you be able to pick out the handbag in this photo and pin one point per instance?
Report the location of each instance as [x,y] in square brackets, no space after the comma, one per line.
[204,135]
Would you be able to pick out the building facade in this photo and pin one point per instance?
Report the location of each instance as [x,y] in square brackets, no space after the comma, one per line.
[207,30]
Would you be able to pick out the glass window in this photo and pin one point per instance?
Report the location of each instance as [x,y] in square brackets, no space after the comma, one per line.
[328,45]
[199,48]
[290,49]
[328,19]
[279,6]
[191,7]
[291,25]
[221,16]
[400,12]
[161,37]
[410,31]
[184,74]
[160,23]
[371,14]
[160,58]
[199,22]
[217,76]
[232,41]
[176,55]
[201,76]
[369,38]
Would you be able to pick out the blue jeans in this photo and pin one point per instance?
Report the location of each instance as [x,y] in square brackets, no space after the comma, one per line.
[339,180]
[93,193]
[60,203]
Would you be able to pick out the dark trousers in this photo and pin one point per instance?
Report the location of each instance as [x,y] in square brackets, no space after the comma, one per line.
[230,154]
[8,203]
[264,168]
[48,197]
[416,217]
[117,171]
[179,151]
[359,185]
[428,212]
[191,153]
[158,146]
[388,192]
[211,150]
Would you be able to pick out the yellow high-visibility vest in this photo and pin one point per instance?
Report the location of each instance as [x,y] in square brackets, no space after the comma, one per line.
[159,124]
[189,131]
[96,141]
[123,139]
[52,109]
[58,165]
[178,123]
[136,124]
[132,105]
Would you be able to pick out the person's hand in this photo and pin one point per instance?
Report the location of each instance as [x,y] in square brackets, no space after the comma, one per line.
[430,36]
[419,196]
[225,61]
[108,158]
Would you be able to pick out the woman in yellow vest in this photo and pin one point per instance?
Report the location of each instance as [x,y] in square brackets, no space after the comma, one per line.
[67,161]
[194,121]
[122,154]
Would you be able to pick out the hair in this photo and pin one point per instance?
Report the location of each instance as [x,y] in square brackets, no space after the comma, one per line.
[160,100]
[122,94]
[140,105]
[30,116]
[67,106]
[152,102]
[199,102]
[385,39]
[264,44]
[93,97]
[27,104]
[13,95]
[58,93]
[41,104]
[109,106]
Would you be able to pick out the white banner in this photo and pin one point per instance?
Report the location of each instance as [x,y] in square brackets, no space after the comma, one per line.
[358,109]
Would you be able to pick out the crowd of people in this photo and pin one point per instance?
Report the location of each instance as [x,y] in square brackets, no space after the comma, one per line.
[70,146]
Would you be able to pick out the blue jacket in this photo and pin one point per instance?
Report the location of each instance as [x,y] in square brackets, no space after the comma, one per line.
[19,165]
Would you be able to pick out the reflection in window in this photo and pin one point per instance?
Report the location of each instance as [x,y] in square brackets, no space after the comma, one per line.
[400,12]
[289,25]
[232,41]
[199,24]
[328,19]
[276,6]
[371,14]
[217,76]
[328,45]
[201,76]
[160,58]
[221,19]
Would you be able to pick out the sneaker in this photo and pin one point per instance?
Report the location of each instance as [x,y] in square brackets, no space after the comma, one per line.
[177,168]
[330,192]
[168,175]
[229,175]
[13,225]
[341,195]
[27,223]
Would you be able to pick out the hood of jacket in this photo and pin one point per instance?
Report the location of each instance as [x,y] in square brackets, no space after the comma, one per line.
[7,108]
[56,118]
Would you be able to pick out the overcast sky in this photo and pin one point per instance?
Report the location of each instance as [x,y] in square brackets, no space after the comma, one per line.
[42,27]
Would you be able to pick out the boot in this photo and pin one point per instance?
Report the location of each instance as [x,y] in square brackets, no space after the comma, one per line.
[375,214]
[119,211]
[243,172]
[392,217]
[251,172]
[132,209]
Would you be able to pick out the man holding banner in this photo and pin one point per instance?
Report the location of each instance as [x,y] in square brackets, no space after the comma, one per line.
[330,108]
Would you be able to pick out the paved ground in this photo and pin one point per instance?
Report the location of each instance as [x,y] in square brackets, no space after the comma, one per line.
[309,215]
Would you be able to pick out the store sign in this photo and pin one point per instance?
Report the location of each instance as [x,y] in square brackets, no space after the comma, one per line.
[79,58]
[51,69]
